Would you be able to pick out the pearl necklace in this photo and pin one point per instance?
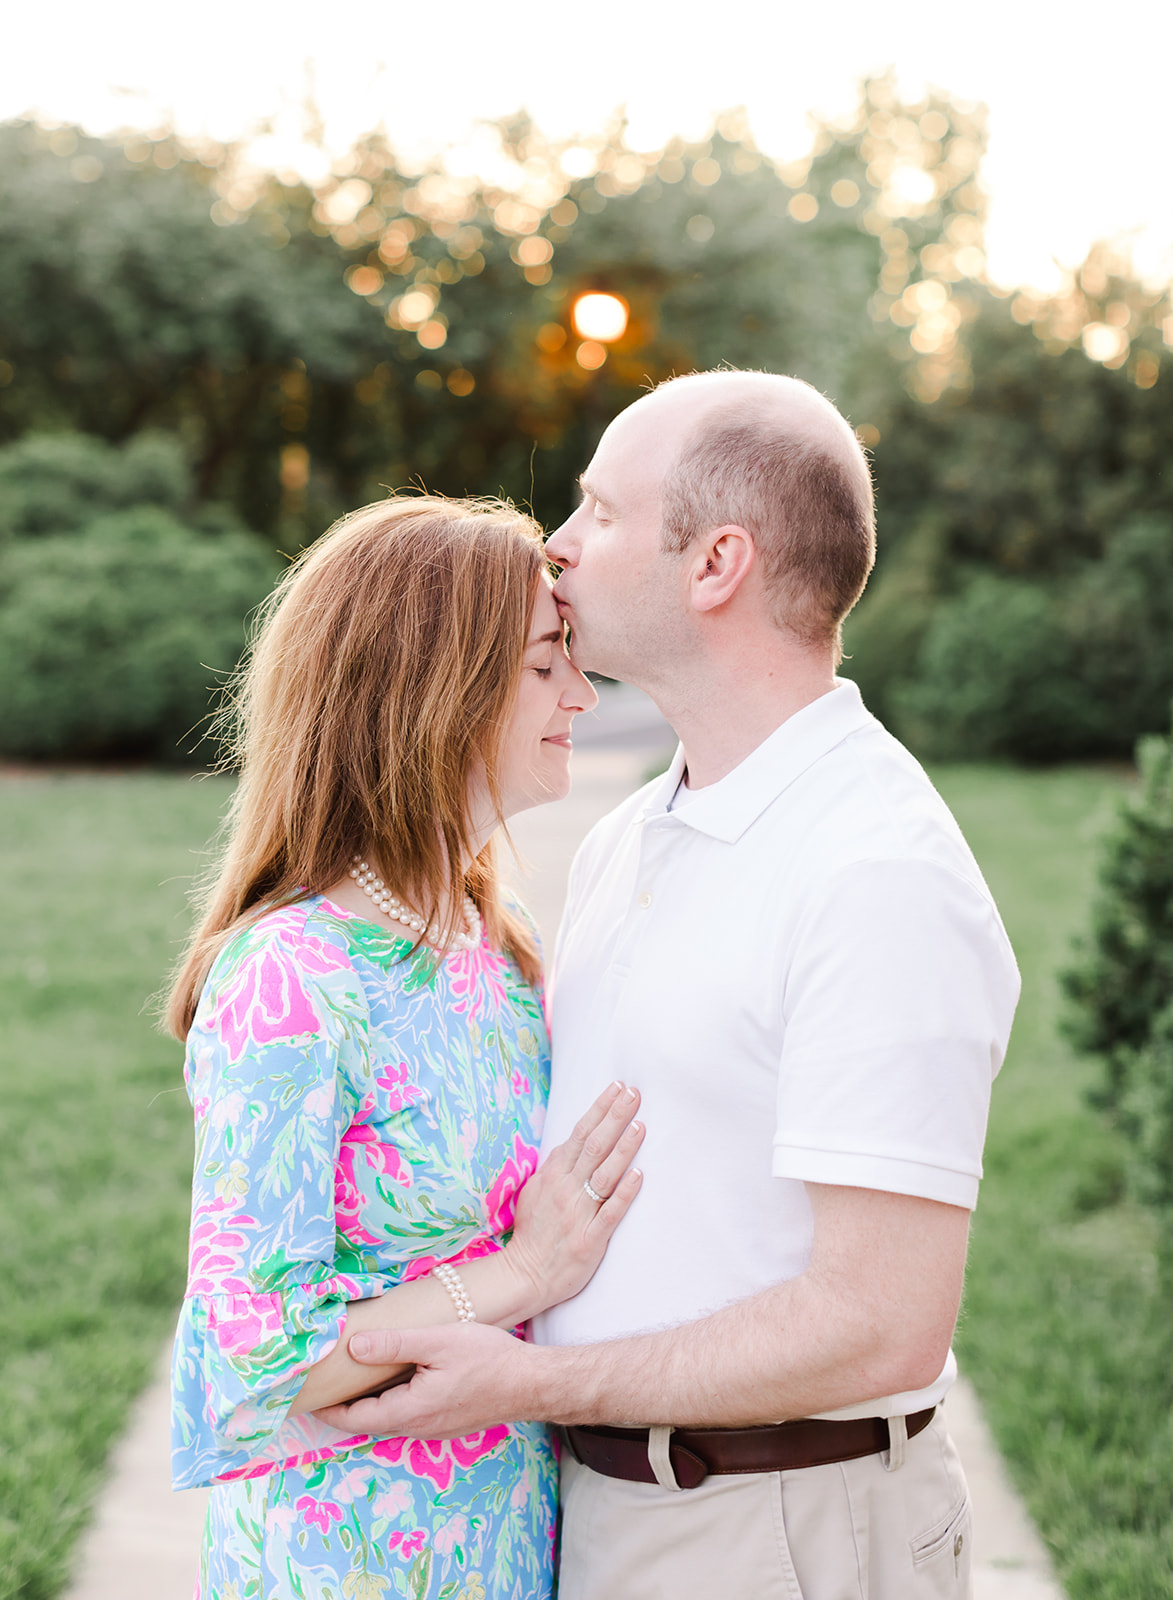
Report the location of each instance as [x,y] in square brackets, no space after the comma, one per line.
[376,890]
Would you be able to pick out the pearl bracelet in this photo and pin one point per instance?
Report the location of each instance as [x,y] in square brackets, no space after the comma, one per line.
[451,1280]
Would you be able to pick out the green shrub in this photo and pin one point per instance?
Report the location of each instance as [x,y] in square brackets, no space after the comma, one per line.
[1017,668]
[112,640]
[53,483]
[1118,615]
[1122,988]
[996,678]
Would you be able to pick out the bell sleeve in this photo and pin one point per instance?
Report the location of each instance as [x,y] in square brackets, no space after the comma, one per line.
[277,1062]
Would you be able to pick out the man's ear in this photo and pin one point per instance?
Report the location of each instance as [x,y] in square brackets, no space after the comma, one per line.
[721,564]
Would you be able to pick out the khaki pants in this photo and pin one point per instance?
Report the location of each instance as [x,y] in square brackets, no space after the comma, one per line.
[873,1529]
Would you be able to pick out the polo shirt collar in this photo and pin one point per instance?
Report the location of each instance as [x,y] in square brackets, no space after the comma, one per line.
[724,810]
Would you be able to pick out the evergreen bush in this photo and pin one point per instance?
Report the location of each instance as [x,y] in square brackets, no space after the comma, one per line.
[1122,987]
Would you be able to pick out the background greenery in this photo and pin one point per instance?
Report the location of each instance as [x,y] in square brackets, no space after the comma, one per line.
[252,357]
[1065,1330]
[202,366]
[95,1139]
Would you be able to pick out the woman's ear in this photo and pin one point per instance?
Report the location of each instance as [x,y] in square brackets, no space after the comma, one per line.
[721,563]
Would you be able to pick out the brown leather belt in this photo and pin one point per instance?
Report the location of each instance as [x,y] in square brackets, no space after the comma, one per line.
[695,1452]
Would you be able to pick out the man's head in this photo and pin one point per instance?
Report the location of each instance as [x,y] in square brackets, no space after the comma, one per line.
[749,480]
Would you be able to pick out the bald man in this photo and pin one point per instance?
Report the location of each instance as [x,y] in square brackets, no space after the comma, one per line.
[785,943]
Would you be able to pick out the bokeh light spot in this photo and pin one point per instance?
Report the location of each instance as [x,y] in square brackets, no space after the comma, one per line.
[534,252]
[428,379]
[551,337]
[591,355]
[432,335]
[803,208]
[415,307]
[706,172]
[599,319]
[578,161]
[700,229]
[845,192]
[295,468]
[461,382]
[364,280]
[1102,343]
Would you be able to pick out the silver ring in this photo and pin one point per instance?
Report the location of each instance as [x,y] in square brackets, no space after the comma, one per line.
[599,1199]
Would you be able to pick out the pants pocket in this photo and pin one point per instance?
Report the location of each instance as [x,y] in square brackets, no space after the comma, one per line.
[942,1552]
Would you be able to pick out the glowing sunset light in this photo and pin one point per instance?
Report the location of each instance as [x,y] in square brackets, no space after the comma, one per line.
[600,318]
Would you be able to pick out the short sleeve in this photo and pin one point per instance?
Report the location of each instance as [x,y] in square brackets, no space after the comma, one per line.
[276,1059]
[897,1009]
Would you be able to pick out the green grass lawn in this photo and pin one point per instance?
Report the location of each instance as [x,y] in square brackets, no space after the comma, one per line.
[1062,1331]
[95,1137]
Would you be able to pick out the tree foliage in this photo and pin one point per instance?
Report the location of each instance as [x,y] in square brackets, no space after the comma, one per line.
[306,347]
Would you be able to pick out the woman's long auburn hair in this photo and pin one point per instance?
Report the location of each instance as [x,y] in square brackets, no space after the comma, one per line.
[379,684]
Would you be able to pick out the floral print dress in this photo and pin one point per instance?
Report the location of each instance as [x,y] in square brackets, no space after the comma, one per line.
[360,1115]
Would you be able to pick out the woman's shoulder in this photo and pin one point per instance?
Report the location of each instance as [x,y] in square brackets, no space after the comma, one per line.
[311,940]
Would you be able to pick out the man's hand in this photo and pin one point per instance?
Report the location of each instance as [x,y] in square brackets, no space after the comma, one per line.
[467,1378]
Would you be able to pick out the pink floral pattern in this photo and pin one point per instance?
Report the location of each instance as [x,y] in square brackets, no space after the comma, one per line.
[358,1119]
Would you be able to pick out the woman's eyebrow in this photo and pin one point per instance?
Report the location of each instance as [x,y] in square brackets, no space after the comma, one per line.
[555,636]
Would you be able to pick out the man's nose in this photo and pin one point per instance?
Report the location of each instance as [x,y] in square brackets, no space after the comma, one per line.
[560,546]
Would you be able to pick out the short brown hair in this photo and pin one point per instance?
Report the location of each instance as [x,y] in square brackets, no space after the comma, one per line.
[379,684]
[810,515]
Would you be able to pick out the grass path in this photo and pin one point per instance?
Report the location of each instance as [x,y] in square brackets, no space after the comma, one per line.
[1062,1332]
[95,1141]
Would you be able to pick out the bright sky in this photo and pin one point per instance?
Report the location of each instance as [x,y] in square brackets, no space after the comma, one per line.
[1078,108]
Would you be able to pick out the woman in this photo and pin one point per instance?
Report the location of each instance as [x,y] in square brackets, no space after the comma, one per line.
[368,1064]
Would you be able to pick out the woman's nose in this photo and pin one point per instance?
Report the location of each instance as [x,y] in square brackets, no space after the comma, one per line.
[579,695]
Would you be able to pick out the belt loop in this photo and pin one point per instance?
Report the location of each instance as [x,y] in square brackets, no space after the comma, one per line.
[892,1458]
[659,1458]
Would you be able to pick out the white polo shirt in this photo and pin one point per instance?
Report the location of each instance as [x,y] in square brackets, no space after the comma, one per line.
[803,972]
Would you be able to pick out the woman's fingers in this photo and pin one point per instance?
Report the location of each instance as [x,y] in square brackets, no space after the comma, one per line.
[604,1138]
[586,1125]
[604,1177]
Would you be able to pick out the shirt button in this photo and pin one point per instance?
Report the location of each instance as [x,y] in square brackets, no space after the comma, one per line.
[645,900]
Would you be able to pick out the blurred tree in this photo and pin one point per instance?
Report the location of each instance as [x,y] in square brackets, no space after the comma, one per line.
[312,346]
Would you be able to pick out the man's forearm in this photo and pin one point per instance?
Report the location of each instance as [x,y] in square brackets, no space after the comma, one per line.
[788,1352]
[872,1316]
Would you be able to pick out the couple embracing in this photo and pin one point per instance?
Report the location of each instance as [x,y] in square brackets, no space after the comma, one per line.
[436,1293]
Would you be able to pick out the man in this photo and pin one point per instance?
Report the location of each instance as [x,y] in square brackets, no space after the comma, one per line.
[787,946]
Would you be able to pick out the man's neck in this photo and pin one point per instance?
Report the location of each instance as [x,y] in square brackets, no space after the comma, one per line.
[723,717]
